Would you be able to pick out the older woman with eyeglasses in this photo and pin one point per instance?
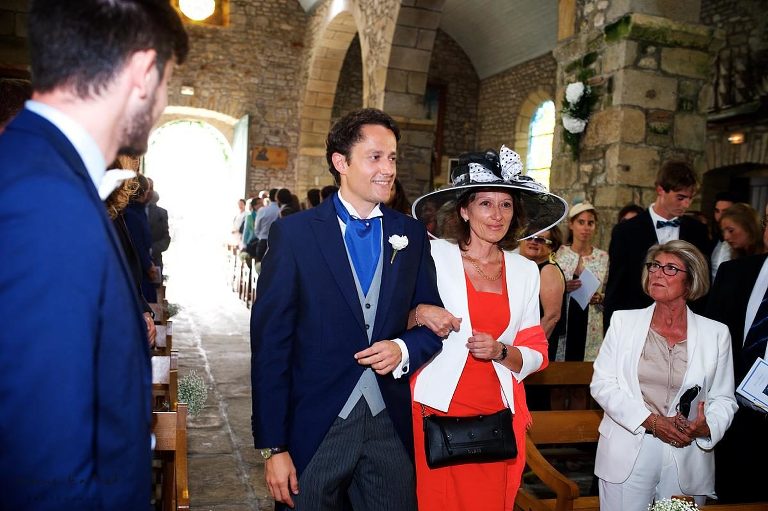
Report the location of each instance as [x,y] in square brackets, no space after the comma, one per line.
[645,379]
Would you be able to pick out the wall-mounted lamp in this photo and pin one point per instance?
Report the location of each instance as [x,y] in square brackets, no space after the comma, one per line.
[187,90]
[197,10]
[736,138]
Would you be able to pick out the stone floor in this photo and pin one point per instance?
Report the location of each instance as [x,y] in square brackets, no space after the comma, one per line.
[211,333]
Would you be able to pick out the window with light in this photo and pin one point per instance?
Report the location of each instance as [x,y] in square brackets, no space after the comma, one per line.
[540,136]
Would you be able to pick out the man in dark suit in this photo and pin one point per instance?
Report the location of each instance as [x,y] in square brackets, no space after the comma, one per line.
[331,404]
[740,287]
[158,228]
[661,222]
[75,376]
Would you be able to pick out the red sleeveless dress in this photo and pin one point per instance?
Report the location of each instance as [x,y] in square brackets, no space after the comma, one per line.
[481,486]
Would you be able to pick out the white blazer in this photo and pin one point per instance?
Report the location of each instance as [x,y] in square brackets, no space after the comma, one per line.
[616,388]
[438,379]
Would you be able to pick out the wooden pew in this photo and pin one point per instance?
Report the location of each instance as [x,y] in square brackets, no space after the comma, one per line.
[165,381]
[561,428]
[571,427]
[170,429]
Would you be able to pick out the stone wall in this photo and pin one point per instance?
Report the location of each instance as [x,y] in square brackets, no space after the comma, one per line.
[250,67]
[450,67]
[13,36]
[349,91]
[502,95]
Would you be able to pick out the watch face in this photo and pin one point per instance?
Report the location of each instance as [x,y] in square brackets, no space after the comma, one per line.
[266,453]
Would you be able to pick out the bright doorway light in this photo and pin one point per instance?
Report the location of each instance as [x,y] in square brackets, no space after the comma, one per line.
[189,162]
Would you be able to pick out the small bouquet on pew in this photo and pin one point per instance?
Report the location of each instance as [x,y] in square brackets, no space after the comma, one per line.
[193,391]
[673,504]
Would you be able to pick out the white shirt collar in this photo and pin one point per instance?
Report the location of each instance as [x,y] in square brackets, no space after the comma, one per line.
[664,234]
[375,212]
[82,141]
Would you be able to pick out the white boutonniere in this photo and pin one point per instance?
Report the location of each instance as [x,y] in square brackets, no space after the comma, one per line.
[398,243]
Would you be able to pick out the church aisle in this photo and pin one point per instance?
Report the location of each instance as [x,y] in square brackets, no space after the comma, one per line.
[211,333]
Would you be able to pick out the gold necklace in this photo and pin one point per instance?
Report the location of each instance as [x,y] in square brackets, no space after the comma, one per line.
[473,261]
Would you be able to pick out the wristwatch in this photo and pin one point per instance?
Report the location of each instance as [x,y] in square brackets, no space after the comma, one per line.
[267,452]
[503,353]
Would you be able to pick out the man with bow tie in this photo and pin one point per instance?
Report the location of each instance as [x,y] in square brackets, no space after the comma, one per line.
[663,221]
[330,351]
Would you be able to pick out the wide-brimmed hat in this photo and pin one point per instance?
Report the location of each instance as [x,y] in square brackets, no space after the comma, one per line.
[491,170]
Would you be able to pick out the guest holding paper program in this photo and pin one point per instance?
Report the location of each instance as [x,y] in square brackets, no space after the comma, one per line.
[498,340]
[650,358]
[584,328]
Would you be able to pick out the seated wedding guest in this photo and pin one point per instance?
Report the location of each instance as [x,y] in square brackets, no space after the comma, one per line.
[584,327]
[327,191]
[491,324]
[313,197]
[740,224]
[652,445]
[540,248]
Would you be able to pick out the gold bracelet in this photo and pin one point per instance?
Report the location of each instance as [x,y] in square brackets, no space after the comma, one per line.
[653,426]
[416,317]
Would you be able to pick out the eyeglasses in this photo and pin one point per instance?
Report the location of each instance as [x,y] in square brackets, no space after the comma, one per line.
[668,269]
[539,239]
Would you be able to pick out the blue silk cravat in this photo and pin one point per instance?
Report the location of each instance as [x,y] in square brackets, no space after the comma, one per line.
[363,240]
[667,223]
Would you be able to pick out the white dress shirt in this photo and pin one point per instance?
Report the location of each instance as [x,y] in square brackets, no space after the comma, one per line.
[84,144]
[663,234]
[402,368]
[758,291]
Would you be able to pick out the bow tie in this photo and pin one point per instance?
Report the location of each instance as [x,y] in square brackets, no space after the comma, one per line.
[660,224]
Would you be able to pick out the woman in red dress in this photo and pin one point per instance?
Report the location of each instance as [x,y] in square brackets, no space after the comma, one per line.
[491,323]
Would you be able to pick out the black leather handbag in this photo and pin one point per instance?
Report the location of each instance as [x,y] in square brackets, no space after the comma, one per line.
[475,439]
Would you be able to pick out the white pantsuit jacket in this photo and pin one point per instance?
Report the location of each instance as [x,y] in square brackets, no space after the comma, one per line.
[616,388]
[438,380]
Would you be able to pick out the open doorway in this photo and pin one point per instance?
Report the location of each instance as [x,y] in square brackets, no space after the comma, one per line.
[189,162]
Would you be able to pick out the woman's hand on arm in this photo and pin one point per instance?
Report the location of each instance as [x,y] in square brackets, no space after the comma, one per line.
[437,319]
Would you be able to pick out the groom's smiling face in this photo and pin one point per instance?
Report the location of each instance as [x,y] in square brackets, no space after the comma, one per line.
[368,175]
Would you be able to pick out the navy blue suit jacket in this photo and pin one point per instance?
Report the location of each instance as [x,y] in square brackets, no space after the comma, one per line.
[307,324]
[75,376]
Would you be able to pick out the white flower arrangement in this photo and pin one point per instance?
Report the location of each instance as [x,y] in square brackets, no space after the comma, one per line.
[574,92]
[672,505]
[193,391]
[398,243]
[577,105]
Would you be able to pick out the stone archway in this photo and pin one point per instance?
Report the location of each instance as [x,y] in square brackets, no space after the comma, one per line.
[324,68]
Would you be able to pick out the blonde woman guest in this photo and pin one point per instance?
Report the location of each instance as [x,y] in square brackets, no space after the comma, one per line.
[584,328]
[650,357]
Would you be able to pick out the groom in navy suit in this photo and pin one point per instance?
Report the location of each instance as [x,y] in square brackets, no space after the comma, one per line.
[75,376]
[330,351]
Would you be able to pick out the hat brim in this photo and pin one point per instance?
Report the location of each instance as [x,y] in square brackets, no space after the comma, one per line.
[543,209]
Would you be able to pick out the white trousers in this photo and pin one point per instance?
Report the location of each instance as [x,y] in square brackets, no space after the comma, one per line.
[653,477]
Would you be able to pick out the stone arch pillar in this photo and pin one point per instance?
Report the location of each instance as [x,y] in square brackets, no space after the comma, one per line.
[325,65]
[651,65]
[523,123]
